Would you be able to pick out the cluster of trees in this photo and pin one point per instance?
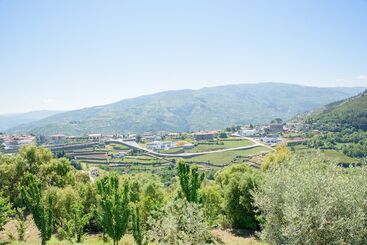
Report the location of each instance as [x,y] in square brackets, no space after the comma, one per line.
[350,141]
[292,199]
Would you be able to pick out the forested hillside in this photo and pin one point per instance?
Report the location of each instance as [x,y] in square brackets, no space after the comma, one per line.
[342,126]
[186,110]
[351,112]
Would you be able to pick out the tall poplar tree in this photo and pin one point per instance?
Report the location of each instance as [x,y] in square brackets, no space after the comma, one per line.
[190,181]
[39,205]
[114,209]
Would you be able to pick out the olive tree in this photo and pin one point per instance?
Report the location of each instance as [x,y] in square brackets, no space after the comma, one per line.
[179,222]
[306,201]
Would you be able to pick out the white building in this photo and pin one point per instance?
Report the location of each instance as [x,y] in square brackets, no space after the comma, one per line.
[158,145]
[249,132]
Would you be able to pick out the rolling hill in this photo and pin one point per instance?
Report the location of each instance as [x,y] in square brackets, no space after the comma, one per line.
[350,112]
[187,110]
[12,120]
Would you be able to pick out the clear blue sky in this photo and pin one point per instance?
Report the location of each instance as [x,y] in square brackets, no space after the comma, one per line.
[72,54]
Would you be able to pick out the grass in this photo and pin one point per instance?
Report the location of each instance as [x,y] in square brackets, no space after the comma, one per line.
[331,155]
[226,157]
[230,237]
[337,156]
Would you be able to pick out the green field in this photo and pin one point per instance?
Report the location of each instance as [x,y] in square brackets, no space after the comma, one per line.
[226,157]
[331,155]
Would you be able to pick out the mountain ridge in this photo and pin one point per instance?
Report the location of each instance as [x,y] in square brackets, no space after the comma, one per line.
[8,121]
[187,110]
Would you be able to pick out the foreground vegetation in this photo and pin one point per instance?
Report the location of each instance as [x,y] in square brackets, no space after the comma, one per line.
[292,199]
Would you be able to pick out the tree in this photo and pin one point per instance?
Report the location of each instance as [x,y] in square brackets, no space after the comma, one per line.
[211,199]
[5,211]
[138,138]
[308,201]
[179,222]
[39,205]
[80,220]
[237,182]
[281,155]
[21,223]
[190,181]
[137,226]
[223,135]
[113,206]
[238,201]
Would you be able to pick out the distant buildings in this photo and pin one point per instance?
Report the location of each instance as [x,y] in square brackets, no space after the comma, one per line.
[57,139]
[14,142]
[249,132]
[271,140]
[158,145]
[275,128]
[204,136]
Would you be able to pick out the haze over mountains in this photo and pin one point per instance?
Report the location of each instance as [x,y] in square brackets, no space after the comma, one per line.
[12,120]
[187,110]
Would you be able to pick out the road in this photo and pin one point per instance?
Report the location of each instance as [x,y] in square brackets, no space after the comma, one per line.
[138,147]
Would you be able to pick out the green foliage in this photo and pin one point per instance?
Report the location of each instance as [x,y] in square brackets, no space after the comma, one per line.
[137,226]
[190,181]
[211,199]
[307,201]
[40,205]
[223,135]
[113,206]
[237,181]
[5,211]
[37,161]
[179,222]
[273,159]
[21,223]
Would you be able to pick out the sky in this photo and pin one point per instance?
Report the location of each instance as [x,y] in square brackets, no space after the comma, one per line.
[63,55]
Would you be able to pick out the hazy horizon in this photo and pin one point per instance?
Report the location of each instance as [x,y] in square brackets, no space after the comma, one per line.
[60,111]
[75,54]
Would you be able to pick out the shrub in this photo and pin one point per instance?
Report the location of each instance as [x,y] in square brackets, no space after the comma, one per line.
[179,222]
[307,201]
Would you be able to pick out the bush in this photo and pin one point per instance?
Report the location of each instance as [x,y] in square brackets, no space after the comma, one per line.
[306,201]
[237,182]
[179,222]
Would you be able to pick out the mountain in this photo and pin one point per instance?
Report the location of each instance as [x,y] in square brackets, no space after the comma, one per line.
[8,121]
[350,112]
[187,110]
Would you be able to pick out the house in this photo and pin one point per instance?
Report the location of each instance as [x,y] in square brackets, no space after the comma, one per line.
[94,137]
[271,140]
[58,139]
[275,128]
[204,136]
[167,145]
[158,145]
[188,146]
[249,132]
[155,145]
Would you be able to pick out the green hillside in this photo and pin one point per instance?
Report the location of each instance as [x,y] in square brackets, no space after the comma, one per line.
[186,110]
[351,112]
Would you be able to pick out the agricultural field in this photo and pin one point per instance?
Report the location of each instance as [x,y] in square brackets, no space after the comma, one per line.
[224,158]
[220,144]
[331,155]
